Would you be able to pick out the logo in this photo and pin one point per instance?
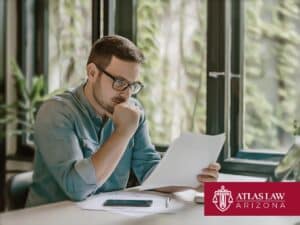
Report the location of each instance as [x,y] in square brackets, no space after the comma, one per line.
[251,198]
[222,199]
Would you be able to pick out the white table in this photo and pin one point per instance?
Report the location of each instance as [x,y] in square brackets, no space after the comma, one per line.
[67,213]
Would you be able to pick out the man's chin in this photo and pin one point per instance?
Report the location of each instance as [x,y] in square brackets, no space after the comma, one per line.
[110,109]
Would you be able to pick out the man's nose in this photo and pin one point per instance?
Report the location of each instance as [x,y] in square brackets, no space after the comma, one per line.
[126,93]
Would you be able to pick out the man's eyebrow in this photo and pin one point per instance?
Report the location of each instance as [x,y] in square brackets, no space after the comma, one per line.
[122,78]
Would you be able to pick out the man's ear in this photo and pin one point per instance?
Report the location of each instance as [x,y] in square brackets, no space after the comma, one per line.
[92,71]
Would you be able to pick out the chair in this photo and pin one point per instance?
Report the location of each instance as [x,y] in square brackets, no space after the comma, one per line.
[17,190]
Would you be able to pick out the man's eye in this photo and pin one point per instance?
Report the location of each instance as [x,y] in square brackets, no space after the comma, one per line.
[121,83]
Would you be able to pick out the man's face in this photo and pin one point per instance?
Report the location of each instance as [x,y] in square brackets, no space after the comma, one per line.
[103,93]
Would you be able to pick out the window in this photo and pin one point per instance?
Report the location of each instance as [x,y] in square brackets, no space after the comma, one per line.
[271,93]
[207,69]
[172,35]
[70,25]
[261,64]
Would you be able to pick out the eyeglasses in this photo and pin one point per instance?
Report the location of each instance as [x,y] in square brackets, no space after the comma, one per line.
[121,84]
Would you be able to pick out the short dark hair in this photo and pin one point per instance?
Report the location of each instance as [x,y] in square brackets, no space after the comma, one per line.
[114,45]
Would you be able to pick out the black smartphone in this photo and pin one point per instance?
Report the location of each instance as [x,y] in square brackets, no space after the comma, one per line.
[128,202]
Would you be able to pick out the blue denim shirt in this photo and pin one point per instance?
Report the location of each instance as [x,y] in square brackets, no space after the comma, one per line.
[67,133]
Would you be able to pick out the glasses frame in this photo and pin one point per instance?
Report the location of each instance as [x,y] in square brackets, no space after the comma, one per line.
[115,79]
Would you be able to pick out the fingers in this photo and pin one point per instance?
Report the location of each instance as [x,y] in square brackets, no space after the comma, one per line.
[209,174]
[214,166]
[205,178]
[134,106]
[130,105]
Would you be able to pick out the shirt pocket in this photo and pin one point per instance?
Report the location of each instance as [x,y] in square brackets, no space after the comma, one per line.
[88,147]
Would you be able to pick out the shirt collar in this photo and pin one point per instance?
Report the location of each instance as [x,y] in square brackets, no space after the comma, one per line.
[79,91]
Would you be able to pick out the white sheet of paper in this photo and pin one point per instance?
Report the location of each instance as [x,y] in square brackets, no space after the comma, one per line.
[158,205]
[184,160]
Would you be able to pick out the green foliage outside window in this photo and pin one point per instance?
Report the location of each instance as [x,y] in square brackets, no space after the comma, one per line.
[69,41]
[296,128]
[175,93]
[22,112]
[272,50]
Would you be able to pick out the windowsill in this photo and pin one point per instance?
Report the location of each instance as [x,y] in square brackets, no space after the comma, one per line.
[248,167]
[264,156]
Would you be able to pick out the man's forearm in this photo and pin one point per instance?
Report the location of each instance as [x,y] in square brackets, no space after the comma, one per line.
[108,156]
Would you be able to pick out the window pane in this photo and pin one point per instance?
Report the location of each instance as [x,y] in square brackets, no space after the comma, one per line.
[272,50]
[172,35]
[69,41]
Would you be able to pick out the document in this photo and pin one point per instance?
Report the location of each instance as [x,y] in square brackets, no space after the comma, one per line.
[162,203]
[184,160]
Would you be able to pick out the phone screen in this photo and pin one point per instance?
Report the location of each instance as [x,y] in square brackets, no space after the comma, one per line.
[128,202]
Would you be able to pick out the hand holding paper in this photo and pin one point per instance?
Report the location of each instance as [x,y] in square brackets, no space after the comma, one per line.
[209,174]
[185,159]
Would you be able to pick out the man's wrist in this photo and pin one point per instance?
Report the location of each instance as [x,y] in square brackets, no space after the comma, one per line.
[124,132]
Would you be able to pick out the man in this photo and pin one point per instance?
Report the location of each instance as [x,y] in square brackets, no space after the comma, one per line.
[90,138]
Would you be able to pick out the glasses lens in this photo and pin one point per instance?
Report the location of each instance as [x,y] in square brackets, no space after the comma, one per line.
[120,84]
[135,88]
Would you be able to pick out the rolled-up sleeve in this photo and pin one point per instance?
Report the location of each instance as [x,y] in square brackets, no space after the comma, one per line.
[59,147]
[145,157]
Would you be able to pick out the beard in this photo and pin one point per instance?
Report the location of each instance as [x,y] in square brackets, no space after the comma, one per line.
[106,106]
[101,103]
[118,100]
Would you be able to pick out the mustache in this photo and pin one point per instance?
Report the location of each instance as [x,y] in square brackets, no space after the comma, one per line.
[118,99]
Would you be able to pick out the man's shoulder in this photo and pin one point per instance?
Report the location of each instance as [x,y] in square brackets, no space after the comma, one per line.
[62,104]
[59,101]
[64,99]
